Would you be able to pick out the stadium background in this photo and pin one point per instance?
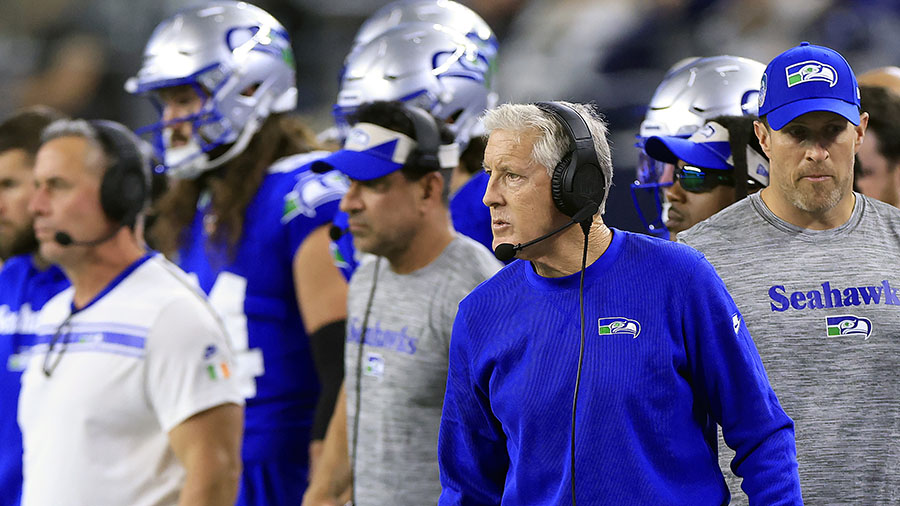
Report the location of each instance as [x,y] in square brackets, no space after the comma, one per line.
[76,54]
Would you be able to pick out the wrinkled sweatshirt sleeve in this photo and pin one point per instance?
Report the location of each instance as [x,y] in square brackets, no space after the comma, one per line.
[471,446]
[729,375]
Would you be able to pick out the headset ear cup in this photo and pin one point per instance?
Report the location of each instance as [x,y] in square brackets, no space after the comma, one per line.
[589,184]
[123,189]
[109,200]
[121,193]
[557,182]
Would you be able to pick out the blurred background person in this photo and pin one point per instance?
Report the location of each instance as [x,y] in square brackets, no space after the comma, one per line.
[715,167]
[879,156]
[694,91]
[126,396]
[27,280]
[249,220]
[441,57]
[883,77]
[611,53]
[383,436]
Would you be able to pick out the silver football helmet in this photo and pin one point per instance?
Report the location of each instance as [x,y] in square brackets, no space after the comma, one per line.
[447,13]
[693,91]
[238,58]
[424,65]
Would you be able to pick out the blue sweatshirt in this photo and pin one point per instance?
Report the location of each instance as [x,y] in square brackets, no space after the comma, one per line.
[667,357]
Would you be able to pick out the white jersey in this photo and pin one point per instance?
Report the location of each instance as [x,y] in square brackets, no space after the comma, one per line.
[146,354]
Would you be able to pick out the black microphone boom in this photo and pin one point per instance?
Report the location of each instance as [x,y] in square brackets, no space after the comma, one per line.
[335,232]
[506,251]
[64,239]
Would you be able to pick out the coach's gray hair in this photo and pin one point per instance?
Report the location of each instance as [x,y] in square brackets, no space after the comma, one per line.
[69,128]
[77,128]
[552,142]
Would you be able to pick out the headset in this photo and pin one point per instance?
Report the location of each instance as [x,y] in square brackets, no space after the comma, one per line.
[577,178]
[425,158]
[124,188]
[578,187]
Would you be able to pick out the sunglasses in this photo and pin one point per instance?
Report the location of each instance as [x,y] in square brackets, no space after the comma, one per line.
[701,180]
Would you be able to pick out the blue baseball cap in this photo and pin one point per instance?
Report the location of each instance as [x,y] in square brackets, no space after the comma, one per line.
[804,79]
[708,147]
[370,152]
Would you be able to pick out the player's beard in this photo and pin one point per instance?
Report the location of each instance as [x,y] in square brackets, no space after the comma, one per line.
[21,243]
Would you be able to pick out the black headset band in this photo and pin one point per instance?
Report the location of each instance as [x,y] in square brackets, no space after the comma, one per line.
[428,135]
[576,127]
[124,186]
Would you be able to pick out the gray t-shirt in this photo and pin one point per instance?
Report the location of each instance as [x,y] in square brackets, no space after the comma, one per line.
[823,307]
[404,370]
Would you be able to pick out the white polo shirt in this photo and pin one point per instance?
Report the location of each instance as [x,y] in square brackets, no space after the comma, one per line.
[146,354]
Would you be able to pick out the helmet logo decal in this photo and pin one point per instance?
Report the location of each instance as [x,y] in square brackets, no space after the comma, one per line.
[244,39]
[810,71]
[460,63]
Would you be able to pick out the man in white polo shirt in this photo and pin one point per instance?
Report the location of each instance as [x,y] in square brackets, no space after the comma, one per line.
[127,398]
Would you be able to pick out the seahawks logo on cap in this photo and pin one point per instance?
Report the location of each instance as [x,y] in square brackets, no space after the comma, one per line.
[762,91]
[810,71]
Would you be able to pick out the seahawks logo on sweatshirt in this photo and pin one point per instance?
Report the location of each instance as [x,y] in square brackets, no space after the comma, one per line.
[618,326]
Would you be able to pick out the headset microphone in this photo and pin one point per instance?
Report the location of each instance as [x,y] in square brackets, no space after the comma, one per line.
[64,239]
[336,232]
[506,251]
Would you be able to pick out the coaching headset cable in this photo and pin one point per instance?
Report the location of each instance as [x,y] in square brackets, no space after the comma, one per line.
[358,386]
[586,227]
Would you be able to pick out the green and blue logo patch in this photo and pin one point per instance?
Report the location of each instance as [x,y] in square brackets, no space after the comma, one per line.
[848,325]
[618,326]
[810,71]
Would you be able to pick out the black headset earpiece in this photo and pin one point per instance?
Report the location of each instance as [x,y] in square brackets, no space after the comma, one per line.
[124,188]
[577,178]
[428,139]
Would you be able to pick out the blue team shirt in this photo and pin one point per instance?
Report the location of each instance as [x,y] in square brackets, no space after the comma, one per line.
[667,356]
[254,293]
[469,214]
[24,289]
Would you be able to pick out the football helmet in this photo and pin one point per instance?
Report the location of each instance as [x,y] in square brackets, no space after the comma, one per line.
[238,58]
[693,91]
[422,64]
[447,13]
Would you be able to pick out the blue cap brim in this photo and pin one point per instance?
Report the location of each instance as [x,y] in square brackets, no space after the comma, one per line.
[671,149]
[357,165]
[783,115]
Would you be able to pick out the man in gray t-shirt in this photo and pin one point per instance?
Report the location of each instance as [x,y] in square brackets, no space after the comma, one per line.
[814,268]
[401,305]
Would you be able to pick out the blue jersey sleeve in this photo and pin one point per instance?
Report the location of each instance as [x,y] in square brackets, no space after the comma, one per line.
[471,445]
[343,252]
[730,377]
[469,214]
[312,202]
